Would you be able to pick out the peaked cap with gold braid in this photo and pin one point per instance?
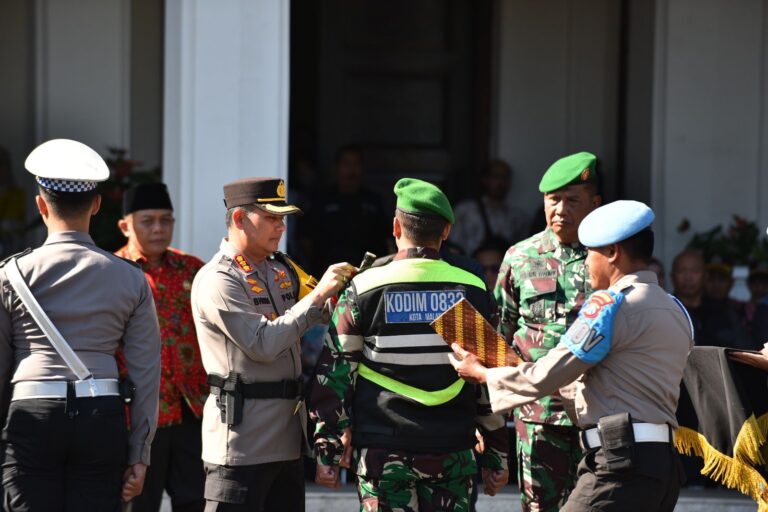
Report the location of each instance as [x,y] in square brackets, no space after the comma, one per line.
[266,193]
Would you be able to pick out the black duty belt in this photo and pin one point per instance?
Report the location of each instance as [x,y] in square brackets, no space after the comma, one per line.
[286,389]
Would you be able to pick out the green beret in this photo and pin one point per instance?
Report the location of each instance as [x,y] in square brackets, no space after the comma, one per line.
[422,198]
[570,170]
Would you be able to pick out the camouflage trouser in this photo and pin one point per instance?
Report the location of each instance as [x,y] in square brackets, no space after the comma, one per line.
[402,481]
[547,456]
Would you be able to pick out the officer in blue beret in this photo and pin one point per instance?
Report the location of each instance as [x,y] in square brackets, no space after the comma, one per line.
[626,351]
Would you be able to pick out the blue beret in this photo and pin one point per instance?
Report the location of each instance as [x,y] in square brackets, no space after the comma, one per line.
[614,222]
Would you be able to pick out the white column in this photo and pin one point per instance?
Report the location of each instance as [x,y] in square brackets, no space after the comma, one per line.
[226,107]
[82,66]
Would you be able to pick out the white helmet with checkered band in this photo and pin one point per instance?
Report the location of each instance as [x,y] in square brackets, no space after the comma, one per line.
[66,165]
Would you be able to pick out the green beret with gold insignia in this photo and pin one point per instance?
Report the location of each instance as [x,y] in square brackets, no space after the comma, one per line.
[570,170]
[421,198]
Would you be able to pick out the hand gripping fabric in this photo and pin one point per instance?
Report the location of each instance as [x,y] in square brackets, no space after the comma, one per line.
[591,335]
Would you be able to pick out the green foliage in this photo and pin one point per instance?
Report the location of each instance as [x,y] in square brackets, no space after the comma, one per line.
[741,244]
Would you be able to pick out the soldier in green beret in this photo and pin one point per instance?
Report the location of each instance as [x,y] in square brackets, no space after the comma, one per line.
[386,374]
[541,287]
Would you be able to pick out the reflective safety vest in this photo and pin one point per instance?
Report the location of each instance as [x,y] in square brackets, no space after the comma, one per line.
[407,395]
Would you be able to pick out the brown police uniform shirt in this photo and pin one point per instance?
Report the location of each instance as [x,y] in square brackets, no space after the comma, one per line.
[98,302]
[641,374]
[249,321]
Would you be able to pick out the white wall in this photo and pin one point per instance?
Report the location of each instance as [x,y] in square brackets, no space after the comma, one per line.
[557,87]
[82,75]
[709,116]
[226,107]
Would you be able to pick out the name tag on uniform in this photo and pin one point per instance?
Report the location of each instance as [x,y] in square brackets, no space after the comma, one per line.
[418,306]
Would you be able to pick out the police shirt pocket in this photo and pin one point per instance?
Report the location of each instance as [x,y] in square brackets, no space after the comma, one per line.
[225,490]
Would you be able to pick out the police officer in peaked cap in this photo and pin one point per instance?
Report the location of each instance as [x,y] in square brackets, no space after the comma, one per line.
[66,445]
[251,304]
[626,351]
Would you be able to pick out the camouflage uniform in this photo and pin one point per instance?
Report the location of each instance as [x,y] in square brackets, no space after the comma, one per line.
[542,285]
[398,480]
[392,479]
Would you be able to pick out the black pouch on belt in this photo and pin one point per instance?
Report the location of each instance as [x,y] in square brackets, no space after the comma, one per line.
[618,441]
[126,389]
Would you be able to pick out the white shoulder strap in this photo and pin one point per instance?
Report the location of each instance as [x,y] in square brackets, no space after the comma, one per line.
[57,340]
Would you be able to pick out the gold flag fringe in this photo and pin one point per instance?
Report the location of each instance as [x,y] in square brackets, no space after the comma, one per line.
[735,472]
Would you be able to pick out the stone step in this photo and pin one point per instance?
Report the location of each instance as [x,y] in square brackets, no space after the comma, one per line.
[690,501]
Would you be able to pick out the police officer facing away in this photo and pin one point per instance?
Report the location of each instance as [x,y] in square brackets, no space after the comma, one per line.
[628,349]
[65,442]
[386,373]
[251,304]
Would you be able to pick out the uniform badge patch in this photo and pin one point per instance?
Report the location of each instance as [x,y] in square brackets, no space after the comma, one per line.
[591,335]
[285,284]
[418,306]
[242,262]
[254,285]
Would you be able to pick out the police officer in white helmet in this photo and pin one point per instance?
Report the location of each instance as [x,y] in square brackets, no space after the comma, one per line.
[64,310]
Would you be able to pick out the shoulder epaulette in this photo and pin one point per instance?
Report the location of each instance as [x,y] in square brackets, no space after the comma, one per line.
[17,255]
[224,263]
[286,260]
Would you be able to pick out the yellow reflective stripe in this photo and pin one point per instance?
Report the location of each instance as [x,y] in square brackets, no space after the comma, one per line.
[428,398]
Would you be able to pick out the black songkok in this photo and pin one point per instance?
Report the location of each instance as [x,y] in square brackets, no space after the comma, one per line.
[147,196]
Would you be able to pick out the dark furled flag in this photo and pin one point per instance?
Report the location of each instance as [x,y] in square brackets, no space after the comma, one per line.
[723,415]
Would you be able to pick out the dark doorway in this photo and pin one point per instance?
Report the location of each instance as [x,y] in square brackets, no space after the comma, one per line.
[406,81]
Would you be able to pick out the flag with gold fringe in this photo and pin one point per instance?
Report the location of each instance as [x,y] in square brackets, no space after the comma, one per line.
[464,325]
[723,416]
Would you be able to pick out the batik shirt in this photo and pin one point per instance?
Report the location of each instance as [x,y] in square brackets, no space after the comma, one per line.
[541,287]
[182,376]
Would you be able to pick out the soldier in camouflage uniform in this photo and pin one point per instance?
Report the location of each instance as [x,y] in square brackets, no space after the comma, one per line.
[542,284]
[385,373]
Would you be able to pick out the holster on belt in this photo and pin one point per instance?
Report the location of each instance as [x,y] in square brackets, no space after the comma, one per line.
[229,399]
[230,392]
[618,441]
